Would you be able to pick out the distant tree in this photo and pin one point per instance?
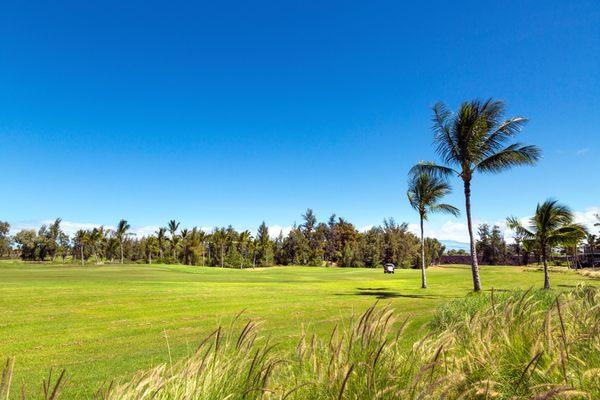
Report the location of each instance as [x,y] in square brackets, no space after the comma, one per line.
[173,226]
[81,240]
[53,235]
[120,234]
[491,245]
[219,241]
[473,140]
[330,245]
[264,247]
[161,240]
[5,240]
[309,230]
[434,250]
[64,244]
[96,239]
[150,245]
[456,252]
[26,243]
[424,194]
[184,239]
[552,225]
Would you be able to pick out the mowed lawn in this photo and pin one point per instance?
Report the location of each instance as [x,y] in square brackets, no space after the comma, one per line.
[106,322]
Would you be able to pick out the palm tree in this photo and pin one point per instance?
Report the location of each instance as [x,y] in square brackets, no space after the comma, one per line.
[120,234]
[474,140]
[81,238]
[173,226]
[551,226]
[96,237]
[184,237]
[161,238]
[424,194]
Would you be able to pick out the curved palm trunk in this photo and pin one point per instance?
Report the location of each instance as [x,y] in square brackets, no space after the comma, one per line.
[423,275]
[546,273]
[474,265]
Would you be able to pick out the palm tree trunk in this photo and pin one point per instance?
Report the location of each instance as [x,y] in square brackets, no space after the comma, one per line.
[121,251]
[82,260]
[423,275]
[546,274]
[474,265]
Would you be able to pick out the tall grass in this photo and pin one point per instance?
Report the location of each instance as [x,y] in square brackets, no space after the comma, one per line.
[510,345]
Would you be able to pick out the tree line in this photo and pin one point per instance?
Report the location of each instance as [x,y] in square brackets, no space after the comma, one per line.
[332,242]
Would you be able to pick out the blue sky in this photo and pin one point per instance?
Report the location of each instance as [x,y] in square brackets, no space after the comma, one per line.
[236,112]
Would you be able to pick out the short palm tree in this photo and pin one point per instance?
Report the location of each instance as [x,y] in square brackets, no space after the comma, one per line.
[474,140]
[424,193]
[552,225]
[121,232]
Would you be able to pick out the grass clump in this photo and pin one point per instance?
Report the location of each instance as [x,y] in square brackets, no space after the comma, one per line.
[511,345]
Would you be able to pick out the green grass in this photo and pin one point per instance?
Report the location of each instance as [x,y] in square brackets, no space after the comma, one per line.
[109,321]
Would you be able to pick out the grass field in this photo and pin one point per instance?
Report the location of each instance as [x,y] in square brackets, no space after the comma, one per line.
[109,321]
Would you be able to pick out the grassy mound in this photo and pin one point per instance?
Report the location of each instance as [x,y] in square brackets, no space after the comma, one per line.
[509,345]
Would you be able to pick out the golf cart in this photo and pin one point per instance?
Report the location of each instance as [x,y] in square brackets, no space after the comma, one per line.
[389,268]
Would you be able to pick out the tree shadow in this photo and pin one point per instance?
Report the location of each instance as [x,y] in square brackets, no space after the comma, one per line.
[382,293]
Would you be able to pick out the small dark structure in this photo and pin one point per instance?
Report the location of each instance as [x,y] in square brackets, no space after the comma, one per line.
[389,268]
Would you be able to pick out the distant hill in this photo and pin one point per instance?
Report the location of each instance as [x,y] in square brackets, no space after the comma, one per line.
[455,245]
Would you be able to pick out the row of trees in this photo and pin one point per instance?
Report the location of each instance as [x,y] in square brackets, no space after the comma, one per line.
[334,242]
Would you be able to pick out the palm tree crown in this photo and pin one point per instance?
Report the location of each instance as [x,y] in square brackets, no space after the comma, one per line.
[552,225]
[475,140]
[122,228]
[424,193]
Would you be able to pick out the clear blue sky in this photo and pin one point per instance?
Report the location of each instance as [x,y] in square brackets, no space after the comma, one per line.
[234,112]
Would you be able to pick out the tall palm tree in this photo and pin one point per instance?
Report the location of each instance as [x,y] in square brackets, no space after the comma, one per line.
[474,140]
[121,233]
[552,225]
[424,193]
[173,226]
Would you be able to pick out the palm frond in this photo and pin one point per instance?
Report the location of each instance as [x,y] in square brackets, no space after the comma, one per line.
[514,155]
[431,168]
[446,147]
[506,130]
[445,209]
[568,235]
[514,224]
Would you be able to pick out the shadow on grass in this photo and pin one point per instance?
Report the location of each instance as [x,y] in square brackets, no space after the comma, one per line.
[382,293]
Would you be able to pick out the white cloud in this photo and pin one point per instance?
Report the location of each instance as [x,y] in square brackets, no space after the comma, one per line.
[275,230]
[588,217]
[582,152]
[365,228]
[449,230]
